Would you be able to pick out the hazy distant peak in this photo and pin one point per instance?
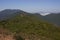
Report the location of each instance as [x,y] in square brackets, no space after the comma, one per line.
[11,10]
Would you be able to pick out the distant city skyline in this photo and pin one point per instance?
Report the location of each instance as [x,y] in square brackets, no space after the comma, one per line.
[31,5]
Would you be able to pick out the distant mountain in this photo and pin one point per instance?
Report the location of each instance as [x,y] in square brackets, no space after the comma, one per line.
[7,13]
[53,18]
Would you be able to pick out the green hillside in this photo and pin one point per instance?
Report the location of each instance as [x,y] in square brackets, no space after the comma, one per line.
[29,27]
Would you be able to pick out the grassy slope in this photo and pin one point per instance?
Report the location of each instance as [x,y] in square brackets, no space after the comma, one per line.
[32,27]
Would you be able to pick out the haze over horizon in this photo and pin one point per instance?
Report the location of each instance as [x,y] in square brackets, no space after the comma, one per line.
[31,5]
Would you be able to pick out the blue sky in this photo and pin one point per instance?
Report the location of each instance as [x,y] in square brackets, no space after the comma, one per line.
[31,5]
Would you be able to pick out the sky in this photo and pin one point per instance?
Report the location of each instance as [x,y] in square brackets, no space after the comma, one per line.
[31,5]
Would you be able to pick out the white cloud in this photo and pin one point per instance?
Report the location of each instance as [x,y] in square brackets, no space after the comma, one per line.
[44,14]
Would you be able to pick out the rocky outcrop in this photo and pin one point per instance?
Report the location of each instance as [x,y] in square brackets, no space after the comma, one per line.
[6,35]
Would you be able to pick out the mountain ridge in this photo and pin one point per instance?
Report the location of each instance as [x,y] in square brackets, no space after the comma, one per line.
[9,13]
[27,26]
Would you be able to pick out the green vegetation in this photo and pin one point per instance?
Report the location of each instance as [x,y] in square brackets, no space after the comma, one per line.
[29,25]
